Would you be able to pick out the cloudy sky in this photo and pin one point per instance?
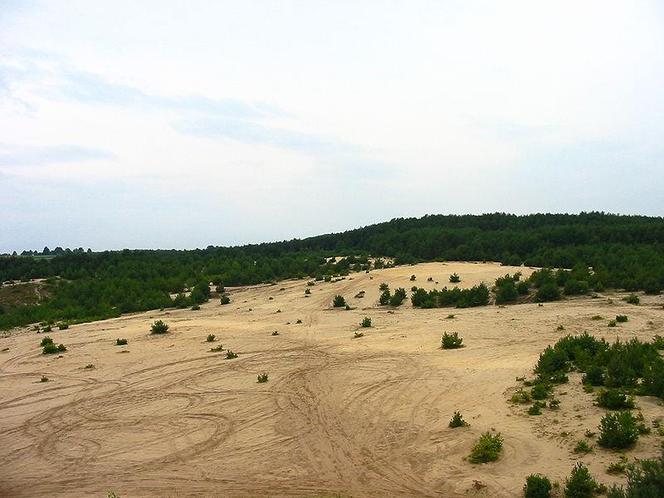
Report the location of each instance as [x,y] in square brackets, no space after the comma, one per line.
[181,124]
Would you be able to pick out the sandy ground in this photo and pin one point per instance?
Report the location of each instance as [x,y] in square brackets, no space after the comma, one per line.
[164,416]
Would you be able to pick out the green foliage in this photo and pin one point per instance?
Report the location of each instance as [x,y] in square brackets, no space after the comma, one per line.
[383,287]
[521,397]
[461,298]
[307,292]
[366,322]
[580,483]
[210,338]
[594,376]
[540,391]
[43,379]
[63,325]
[230,355]
[121,342]
[537,486]
[547,292]
[505,289]
[614,399]
[225,299]
[457,421]
[217,349]
[45,340]
[454,278]
[612,323]
[645,479]
[451,341]
[159,327]
[338,301]
[385,297]
[398,297]
[582,447]
[632,299]
[262,378]
[51,348]
[536,408]
[621,318]
[412,278]
[276,332]
[487,448]
[618,430]
[357,334]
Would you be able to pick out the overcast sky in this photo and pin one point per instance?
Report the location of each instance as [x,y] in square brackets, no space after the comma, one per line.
[148,124]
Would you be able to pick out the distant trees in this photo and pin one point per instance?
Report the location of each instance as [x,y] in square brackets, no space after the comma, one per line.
[477,295]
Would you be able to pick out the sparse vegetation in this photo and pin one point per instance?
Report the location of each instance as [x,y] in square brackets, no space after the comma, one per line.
[580,483]
[457,421]
[159,327]
[632,299]
[582,447]
[262,377]
[487,449]
[451,341]
[43,379]
[210,338]
[618,430]
[357,334]
[121,342]
[366,322]
[338,301]
[613,399]
[225,299]
[51,348]
[454,278]
[276,332]
[230,355]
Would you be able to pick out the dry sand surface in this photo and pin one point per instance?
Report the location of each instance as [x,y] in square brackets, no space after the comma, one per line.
[164,416]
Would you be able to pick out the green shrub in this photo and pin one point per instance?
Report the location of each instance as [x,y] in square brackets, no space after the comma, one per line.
[487,448]
[366,322]
[554,404]
[582,447]
[617,468]
[540,391]
[621,318]
[63,326]
[308,292]
[614,399]
[159,327]
[357,334]
[210,338]
[457,421]
[225,299]
[47,329]
[121,342]
[46,340]
[262,378]
[580,483]
[51,348]
[521,397]
[217,349]
[89,366]
[612,323]
[594,376]
[597,317]
[276,332]
[384,298]
[43,379]
[338,301]
[298,321]
[633,299]
[658,342]
[451,341]
[230,355]
[645,479]
[547,292]
[383,287]
[454,278]
[537,486]
[618,430]
[536,408]
[412,278]
[398,298]
[195,307]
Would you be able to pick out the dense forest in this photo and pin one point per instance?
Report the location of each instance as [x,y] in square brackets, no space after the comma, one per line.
[625,252]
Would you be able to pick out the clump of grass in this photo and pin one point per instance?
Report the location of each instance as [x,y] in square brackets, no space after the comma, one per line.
[487,448]
[159,327]
[224,299]
[614,399]
[307,292]
[366,322]
[632,299]
[45,340]
[195,307]
[43,379]
[230,355]
[458,421]
[210,338]
[618,467]
[621,318]
[89,366]
[521,397]
[357,334]
[298,321]
[262,378]
[359,295]
[63,325]
[217,349]
[560,327]
[540,391]
[413,278]
[582,447]
[276,332]
[597,317]
[589,433]
[451,341]
[536,408]
[612,323]
[554,404]
[450,317]
[121,342]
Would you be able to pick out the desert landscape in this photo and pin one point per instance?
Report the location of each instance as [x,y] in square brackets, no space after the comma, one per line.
[339,415]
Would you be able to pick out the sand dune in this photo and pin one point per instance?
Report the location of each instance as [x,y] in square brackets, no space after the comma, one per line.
[164,416]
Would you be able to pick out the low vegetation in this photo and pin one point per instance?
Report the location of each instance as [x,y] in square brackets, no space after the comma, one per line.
[537,486]
[338,301]
[457,421]
[451,341]
[262,377]
[580,483]
[366,322]
[618,430]
[487,449]
[159,327]
[121,342]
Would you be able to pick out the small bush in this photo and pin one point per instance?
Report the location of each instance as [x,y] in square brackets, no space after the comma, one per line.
[618,430]
[658,342]
[225,299]
[383,287]
[63,326]
[454,278]
[276,332]
[308,292]
[46,340]
[338,301]
[597,317]
[616,468]
[384,298]
[451,341]
[47,329]
[51,348]
[582,447]
[580,483]
[89,366]
[230,355]
[359,295]
[450,317]
[457,421]
[540,391]
[560,327]
[217,349]
[366,322]
[413,278]
[159,327]
[614,400]
[399,297]
[521,397]
[43,379]
[487,448]
[121,342]
[298,321]
[633,299]
[621,318]
[358,334]
[594,376]
[195,307]
[210,338]
[536,408]
[612,323]
[262,378]
[537,486]
[554,404]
